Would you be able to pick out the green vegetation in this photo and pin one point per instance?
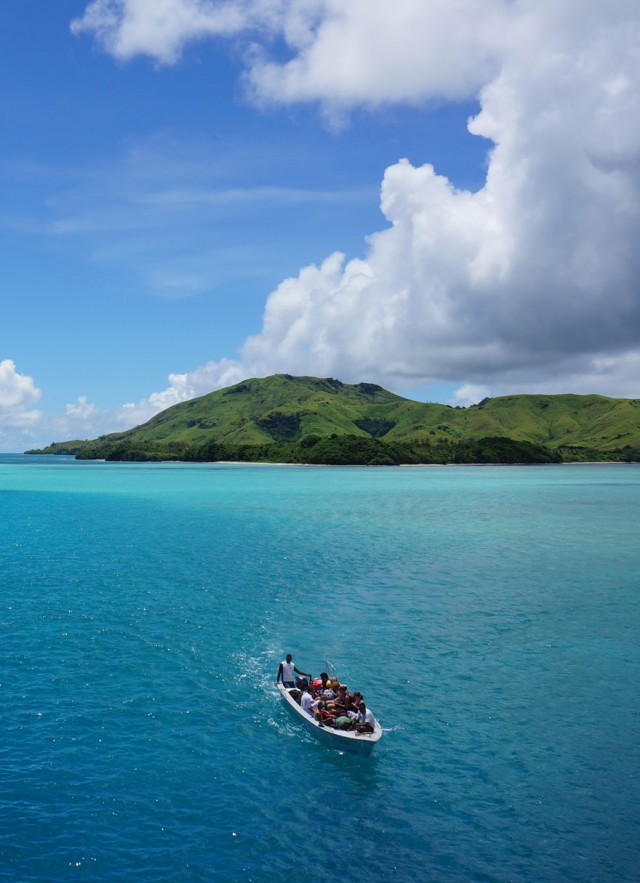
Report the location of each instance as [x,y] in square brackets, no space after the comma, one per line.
[312,420]
[69,448]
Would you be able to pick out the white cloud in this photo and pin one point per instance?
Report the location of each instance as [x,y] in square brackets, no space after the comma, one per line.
[158,28]
[83,411]
[81,420]
[538,267]
[533,279]
[372,52]
[606,375]
[16,390]
[17,418]
[23,427]
[469,394]
[342,54]
[182,387]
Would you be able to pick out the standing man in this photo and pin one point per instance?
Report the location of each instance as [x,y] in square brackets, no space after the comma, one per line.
[286,670]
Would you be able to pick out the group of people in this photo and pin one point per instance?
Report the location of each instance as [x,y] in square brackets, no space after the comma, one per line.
[326,700]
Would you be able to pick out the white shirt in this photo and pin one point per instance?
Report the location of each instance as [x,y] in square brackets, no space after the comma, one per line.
[366,717]
[287,671]
[306,701]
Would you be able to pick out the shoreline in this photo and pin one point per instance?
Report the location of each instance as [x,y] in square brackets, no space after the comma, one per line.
[306,465]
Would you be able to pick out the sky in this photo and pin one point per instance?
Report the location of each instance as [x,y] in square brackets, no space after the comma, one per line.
[439,196]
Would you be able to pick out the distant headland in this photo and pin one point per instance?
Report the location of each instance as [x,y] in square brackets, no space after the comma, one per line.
[313,420]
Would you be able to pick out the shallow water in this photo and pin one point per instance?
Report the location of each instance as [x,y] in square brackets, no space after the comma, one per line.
[490,614]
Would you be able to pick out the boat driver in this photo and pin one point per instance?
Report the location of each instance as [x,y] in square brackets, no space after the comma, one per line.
[286,672]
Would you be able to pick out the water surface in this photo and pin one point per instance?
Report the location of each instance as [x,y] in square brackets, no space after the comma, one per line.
[490,614]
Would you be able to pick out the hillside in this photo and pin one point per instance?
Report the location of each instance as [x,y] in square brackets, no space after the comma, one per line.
[286,417]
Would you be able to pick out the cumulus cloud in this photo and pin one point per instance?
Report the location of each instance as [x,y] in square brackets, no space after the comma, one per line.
[372,53]
[81,420]
[23,426]
[16,390]
[182,387]
[84,410]
[361,52]
[159,28]
[18,418]
[531,280]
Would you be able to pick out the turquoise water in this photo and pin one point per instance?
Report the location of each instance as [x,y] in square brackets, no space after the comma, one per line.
[490,615]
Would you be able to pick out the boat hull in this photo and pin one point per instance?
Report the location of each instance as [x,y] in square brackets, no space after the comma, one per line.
[349,740]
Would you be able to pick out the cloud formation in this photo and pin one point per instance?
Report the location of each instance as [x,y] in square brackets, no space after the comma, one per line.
[17,395]
[370,53]
[16,390]
[530,282]
[159,28]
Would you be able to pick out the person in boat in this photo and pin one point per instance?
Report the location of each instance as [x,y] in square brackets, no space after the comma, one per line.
[322,713]
[348,703]
[328,694]
[341,700]
[351,710]
[365,721]
[286,672]
[344,722]
[306,701]
[318,685]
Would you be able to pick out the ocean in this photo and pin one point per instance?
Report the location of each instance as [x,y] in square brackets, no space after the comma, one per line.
[490,615]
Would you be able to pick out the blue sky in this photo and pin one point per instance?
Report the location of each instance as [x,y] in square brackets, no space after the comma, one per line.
[192,194]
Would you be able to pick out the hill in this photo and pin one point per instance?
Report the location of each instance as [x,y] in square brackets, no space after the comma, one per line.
[296,419]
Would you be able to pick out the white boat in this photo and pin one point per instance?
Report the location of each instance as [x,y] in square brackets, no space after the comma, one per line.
[343,740]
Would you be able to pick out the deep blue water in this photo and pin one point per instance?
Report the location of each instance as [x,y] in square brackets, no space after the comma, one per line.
[490,615]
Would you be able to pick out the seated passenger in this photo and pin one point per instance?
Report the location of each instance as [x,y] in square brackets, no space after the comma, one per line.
[340,701]
[343,722]
[365,721]
[322,713]
[305,701]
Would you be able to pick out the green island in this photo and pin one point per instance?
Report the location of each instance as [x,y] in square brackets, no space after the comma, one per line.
[310,420]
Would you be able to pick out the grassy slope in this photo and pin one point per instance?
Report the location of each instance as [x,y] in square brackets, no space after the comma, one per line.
[286,409]
[233,415]
[592,421]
